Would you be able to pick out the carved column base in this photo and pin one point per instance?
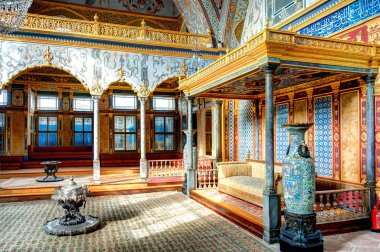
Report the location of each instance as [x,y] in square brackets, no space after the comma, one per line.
[184,185]
[300,233]
[271,216]
[143,170]
[96,172]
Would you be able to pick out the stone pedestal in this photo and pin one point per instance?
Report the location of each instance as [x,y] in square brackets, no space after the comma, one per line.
[300,233]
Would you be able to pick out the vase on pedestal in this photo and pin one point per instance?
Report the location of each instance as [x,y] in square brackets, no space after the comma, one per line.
[298,174]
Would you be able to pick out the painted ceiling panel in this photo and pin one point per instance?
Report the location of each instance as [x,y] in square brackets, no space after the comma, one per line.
[154,7]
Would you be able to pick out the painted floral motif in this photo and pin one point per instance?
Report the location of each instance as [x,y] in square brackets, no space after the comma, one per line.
[143,6]
[298,173]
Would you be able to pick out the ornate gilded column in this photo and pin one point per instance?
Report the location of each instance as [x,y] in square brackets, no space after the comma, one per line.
[370,126]
[218,123]
[96,162]
[271,202]
[143,162]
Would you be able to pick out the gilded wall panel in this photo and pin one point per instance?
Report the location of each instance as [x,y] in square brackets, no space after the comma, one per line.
[17,132]
[300,111]
[104,133]
[350,139]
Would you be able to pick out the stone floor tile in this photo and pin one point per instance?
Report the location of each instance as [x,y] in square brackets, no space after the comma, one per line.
[365,249]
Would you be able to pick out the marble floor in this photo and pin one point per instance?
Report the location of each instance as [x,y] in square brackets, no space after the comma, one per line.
[361,241]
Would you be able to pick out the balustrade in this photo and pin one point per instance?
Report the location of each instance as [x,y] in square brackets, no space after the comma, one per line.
[341,205]
[207,174]
[166,168]
[40,23]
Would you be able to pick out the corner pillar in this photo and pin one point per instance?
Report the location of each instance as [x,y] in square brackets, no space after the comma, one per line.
[370,148]
[96,162]
[143,162]
[271,202]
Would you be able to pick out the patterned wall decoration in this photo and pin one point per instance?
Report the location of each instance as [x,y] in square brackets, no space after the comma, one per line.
[262,133]
[282,137]
[377,138]
[245,128]
[235,14]
[363,131]
[195,19]
[96,69]
[213,18]
[343,18]
[350,133]
[231,129]
[254,20]
[368,32]
[323,136]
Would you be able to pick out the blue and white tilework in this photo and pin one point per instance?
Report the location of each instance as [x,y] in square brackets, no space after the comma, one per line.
[231,129]
[323,137]
[282,137]
[245,128]
[343,18]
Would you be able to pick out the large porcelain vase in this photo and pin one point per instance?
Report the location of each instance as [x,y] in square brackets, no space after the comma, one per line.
[298,172]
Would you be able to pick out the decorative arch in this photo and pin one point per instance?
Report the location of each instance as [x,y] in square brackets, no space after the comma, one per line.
[58,11]
[178,76]
[20,72]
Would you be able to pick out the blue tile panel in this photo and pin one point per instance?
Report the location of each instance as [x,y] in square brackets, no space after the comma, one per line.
[343,18]
[245,128]
[323,137]
[282,137]
[231,129]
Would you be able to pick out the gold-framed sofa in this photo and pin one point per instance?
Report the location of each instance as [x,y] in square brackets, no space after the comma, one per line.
[246,180]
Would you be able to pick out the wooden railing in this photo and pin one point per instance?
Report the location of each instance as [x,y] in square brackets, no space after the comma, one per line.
[341,205]
[207,174]
[166,168]
[121,33]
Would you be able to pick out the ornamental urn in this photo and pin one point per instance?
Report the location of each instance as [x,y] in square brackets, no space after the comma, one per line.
[298,172]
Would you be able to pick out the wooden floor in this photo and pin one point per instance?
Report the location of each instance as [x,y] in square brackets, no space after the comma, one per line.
[114,181]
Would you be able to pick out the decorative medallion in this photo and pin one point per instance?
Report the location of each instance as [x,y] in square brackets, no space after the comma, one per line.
[17,97]
[66,104]
[104,101]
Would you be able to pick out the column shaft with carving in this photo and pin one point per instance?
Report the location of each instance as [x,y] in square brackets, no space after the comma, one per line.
[143,162]
[190,170]
[96,162]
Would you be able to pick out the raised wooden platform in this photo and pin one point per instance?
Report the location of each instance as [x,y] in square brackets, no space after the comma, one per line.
[115,181]
[246,220]
[253,222]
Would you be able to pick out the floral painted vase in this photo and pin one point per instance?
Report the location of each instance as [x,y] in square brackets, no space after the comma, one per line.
[298,172]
